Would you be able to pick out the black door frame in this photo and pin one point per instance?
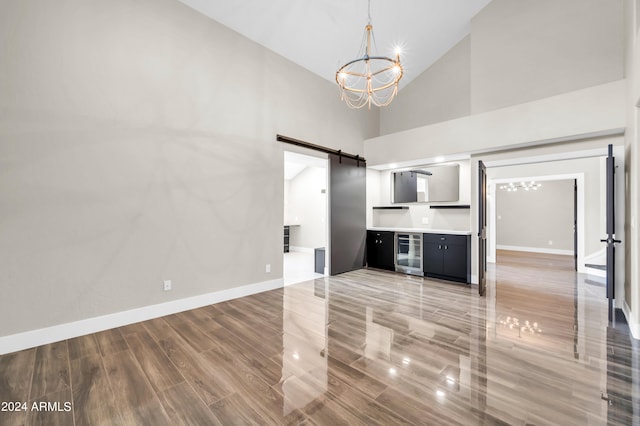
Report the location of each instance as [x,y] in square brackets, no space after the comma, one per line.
[611,241]
[482,228]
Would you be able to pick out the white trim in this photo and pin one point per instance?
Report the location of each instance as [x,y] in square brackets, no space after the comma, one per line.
[56,333]
[595,272]
[634,327]
[535,250]
[599,257]
[558,156]
[301,249]
[422,161]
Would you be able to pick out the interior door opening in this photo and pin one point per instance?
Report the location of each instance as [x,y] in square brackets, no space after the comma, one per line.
[548,219]
[306,223]
[537,216]
[588,176]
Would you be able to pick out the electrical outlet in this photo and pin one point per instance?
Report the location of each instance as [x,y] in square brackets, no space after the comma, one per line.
[167,285]
[550,242]
[425,220]
[267,267]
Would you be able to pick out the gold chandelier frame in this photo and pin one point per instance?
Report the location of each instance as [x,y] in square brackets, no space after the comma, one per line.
[369,80]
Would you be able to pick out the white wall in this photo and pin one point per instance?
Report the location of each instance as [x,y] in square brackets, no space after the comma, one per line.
[137,141]
[307,208]
[539,220]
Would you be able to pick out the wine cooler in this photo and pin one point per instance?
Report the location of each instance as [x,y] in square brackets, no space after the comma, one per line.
[408,253]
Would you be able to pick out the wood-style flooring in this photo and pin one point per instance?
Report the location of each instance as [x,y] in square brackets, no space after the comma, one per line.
[366,347]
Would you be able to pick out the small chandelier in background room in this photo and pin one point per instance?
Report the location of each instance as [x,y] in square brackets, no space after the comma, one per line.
[369,79]
[513,187]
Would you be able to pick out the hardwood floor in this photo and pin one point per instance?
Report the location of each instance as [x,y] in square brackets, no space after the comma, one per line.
[366,347]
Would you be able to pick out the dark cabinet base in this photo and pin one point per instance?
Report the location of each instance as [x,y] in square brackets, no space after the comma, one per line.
[286,238]
[380,253]
[447,257]
[447,277]
[444,256]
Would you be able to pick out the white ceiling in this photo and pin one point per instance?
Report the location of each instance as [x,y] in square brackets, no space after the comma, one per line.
[295,163]
[323,35]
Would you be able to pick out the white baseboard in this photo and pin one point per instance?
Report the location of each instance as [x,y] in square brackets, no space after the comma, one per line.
[536,250]
[634,327]
[301,249]
[598,257]
[595,272]
[56,333]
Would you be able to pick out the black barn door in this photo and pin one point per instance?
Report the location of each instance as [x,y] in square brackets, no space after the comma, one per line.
[347,195]
[482,228]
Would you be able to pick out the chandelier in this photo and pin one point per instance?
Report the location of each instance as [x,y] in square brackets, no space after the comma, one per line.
[513,187]
[369,79]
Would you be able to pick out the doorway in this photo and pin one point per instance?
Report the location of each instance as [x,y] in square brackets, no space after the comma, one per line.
[536,215]
[588,167]
[305,218]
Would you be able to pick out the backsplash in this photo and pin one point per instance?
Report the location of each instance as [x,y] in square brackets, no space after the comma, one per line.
[416,215]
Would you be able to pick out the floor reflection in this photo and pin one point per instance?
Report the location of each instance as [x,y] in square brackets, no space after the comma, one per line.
[536,350]
[304,364]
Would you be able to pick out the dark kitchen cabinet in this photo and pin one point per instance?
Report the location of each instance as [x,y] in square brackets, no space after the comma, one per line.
[287,230]
[447,256]
[380,250]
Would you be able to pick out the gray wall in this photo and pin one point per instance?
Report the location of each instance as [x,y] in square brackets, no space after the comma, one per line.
[530,219]
[632,144]
[527,50]
[137,143]
[307,205]
[518,51]
[440,93]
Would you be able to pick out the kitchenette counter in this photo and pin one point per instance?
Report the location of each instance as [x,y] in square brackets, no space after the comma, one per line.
[420,230]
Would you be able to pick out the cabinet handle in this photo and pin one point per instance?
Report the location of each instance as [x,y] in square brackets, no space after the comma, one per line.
[445,247]
[442,238]
[439,246]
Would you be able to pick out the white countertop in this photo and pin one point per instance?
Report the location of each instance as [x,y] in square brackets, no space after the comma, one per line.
[421,230]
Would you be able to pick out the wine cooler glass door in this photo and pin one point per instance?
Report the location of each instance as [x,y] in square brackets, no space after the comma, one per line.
[409,253]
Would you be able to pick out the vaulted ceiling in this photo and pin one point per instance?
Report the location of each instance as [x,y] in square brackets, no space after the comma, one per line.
[322,35]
